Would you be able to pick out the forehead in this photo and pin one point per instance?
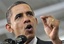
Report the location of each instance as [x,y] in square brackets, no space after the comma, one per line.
[20,8]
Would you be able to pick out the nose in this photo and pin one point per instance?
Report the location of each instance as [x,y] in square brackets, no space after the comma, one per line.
[26,20]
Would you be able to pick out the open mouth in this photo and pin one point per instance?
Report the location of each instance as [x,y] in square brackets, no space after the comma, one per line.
[29,27]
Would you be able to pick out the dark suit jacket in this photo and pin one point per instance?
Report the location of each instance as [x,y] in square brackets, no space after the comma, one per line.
[43,42]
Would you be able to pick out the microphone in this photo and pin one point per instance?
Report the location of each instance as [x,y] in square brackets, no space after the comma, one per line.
[9,41]
[21,39]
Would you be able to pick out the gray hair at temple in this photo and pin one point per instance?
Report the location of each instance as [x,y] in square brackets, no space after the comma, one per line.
[9,12]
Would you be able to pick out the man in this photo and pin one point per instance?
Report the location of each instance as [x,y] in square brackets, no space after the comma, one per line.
[21,21]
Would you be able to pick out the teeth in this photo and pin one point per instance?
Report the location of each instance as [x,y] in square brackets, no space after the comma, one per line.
[28,27]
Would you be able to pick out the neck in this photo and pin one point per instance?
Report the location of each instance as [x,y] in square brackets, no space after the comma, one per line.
[29,40]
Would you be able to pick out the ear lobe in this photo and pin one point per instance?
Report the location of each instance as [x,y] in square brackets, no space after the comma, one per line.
[8,27]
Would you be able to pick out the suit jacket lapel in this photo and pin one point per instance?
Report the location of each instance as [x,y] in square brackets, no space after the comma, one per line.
[43,42]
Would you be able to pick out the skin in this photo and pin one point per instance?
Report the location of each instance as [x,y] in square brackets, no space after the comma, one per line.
[18,25]
[51,31]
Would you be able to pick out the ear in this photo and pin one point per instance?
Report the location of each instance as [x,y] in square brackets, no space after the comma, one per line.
[8,27]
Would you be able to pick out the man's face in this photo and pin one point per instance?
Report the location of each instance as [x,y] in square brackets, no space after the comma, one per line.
[23,21]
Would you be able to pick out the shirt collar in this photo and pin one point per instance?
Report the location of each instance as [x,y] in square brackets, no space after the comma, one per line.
[34,41]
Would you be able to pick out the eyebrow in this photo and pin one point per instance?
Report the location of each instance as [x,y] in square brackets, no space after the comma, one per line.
[29,12]
[19,14]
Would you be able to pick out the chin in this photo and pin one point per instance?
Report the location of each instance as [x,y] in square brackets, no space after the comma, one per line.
[30,36]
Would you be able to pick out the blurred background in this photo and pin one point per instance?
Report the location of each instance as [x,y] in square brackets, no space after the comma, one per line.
[40,7]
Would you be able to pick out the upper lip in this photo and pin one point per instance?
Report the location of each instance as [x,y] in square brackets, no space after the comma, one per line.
[28,26]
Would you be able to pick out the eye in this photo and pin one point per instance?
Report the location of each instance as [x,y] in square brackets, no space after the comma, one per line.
[29,13]
[18,16]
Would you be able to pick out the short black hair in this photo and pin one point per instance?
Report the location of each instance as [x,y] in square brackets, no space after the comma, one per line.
[9,12]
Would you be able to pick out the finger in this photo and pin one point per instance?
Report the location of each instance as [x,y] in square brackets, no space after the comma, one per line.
[44,19]
[47,29]
[45,16]
[57,23]
[56,27]
[55,31]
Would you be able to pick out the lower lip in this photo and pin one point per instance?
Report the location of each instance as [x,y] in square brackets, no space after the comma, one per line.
[29,29]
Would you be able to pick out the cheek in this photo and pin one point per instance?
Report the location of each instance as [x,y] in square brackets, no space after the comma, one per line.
[34,22]
[17,26]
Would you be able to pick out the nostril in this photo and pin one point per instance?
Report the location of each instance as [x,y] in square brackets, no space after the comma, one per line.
[27,21]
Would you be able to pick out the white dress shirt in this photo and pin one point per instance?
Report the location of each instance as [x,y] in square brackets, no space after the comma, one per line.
[34,41]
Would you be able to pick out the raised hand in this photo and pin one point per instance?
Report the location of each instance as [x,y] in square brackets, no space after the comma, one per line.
[51,27]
